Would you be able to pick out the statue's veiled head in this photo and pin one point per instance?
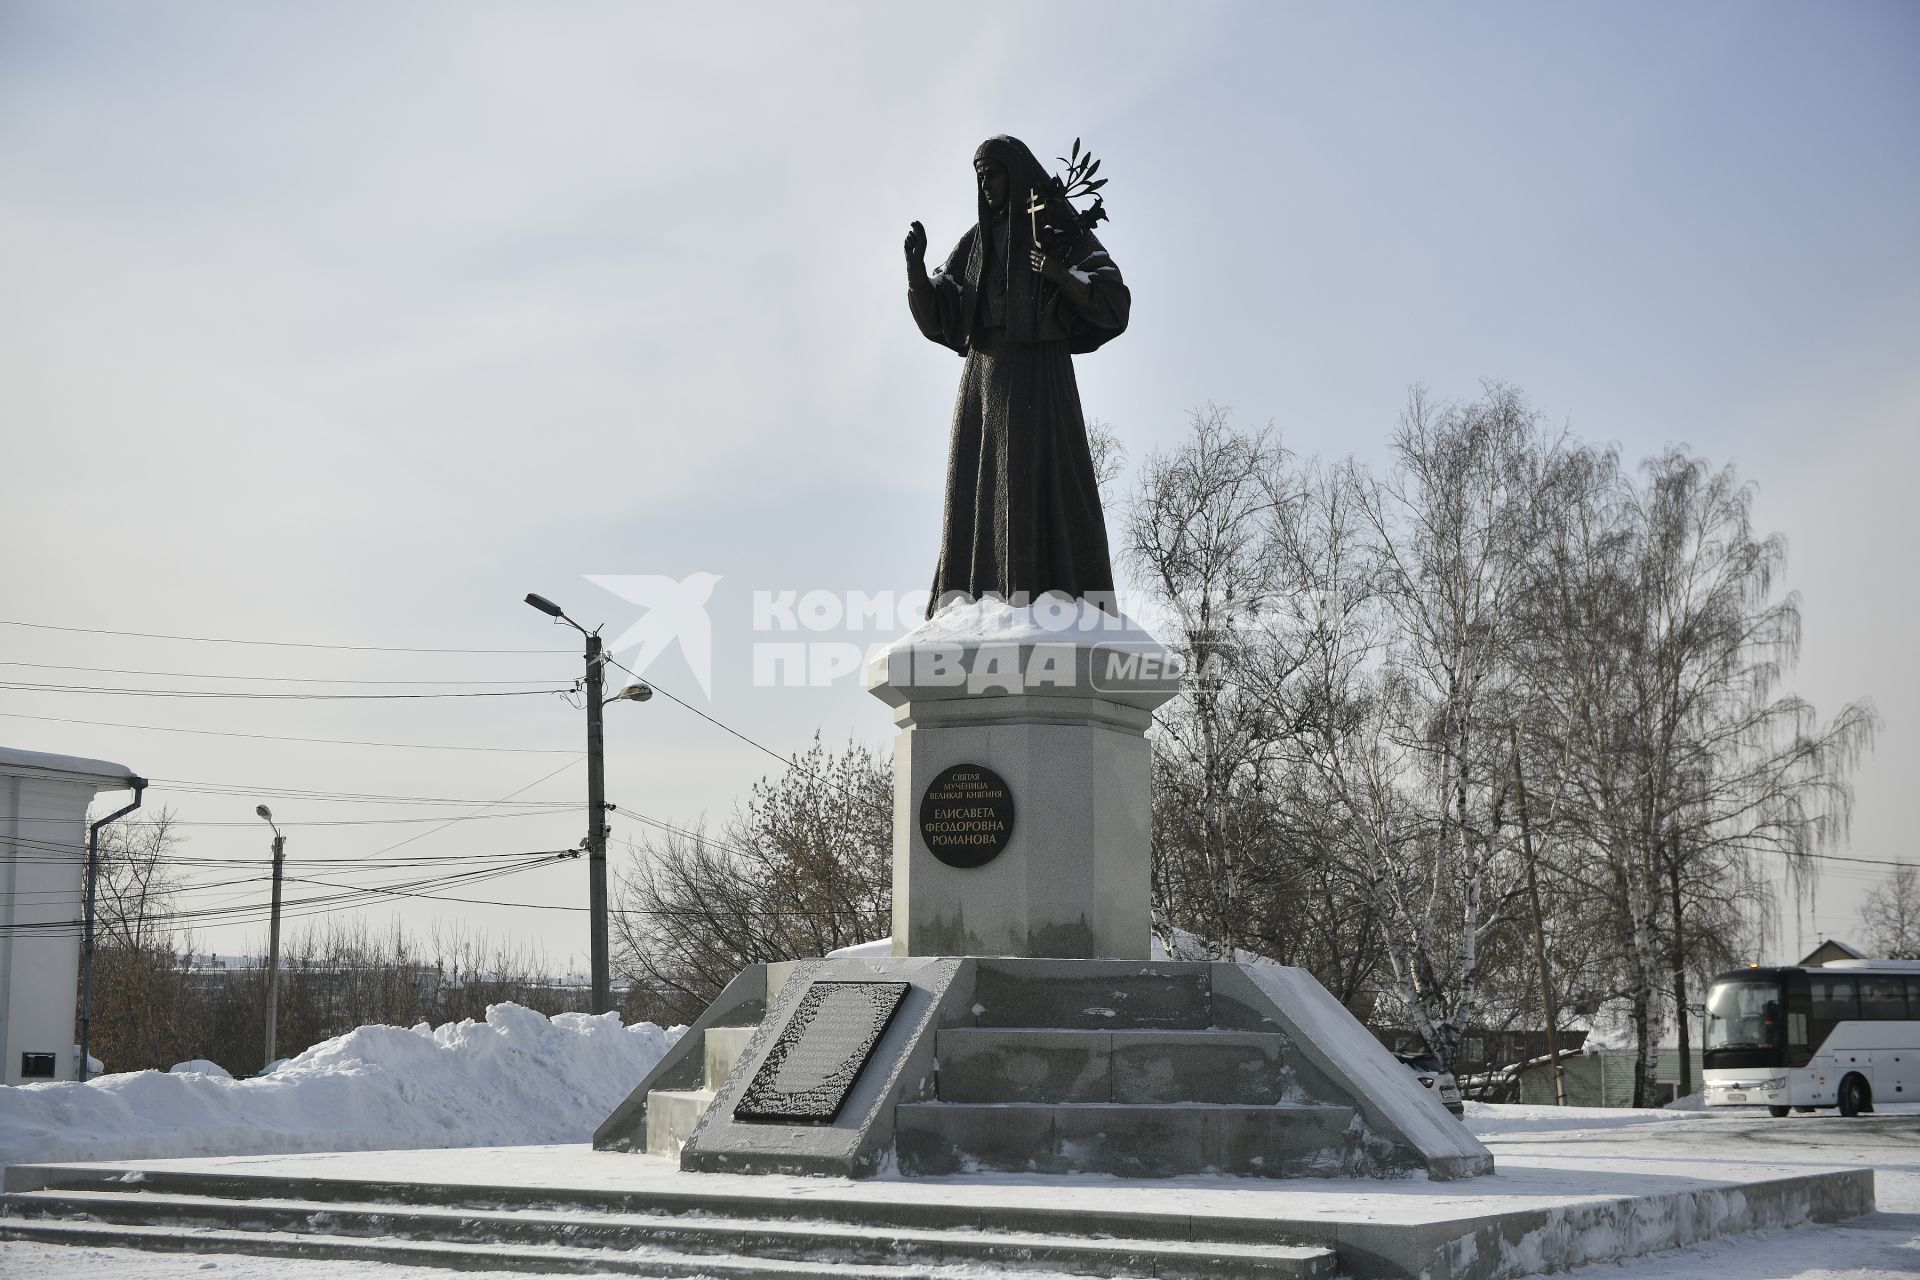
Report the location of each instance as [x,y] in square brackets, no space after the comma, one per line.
[1004,171]
[991,177]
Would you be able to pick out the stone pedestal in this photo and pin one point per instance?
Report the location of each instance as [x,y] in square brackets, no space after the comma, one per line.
[1145,1069]
[1059,716]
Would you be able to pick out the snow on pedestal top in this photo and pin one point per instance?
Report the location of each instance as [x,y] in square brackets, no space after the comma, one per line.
[1049,647]
[1053,646]
[1052,619]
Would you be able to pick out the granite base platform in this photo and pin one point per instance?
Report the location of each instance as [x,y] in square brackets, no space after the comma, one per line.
[572,1209]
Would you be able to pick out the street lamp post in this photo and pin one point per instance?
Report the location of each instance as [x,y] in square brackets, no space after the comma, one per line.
[273,935]
[596,841]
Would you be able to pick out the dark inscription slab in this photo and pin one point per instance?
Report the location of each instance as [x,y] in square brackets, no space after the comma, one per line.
[966,816]
[820,1053]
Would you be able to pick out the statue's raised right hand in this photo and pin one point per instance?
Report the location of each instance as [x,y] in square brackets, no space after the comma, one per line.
[916,246]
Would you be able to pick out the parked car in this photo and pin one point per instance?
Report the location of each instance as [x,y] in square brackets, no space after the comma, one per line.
[1427,1069]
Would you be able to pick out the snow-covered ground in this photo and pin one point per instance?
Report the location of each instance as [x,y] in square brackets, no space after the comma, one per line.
[1540,1149]
[1882,1246]
[517,1078]
[1488,1120]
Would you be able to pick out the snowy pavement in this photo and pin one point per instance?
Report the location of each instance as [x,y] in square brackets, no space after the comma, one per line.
[1540,1148]
[1881,1246]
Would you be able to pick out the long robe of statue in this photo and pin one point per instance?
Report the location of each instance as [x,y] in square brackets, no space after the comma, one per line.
[1023,510]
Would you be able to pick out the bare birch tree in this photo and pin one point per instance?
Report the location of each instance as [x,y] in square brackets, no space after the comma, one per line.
[1365,649]
[137,882]
[1656,651]
[1200,536]
[1454,524]
[803,868]
[1891,915]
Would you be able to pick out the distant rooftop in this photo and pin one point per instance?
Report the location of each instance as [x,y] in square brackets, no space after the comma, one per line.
[1830,950]
[104,774]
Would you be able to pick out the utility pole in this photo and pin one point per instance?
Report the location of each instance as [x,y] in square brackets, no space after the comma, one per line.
[1539,934]
[273,936]
[597,824]
[596,842]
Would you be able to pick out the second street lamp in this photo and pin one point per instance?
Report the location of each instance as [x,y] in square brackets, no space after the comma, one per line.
[596,841]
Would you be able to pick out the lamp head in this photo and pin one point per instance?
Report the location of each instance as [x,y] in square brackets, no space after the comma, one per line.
[637,692]
[264,812]
[544,605]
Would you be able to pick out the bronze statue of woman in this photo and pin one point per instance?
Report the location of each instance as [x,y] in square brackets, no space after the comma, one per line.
[1024,290]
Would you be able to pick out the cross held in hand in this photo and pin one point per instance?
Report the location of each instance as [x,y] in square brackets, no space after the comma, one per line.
[1036,205]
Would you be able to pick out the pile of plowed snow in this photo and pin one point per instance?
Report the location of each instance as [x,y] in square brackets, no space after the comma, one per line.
[517,1078]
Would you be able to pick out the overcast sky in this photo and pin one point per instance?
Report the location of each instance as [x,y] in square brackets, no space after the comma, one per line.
[350,324]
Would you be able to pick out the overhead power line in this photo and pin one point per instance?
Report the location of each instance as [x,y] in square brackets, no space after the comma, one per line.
[249,790]
[547,812]
[275,680]
[463,817]
[698,837]
[72,895]
[350,897]
[21,686]
[792,762]
[276,644]
[355,863]
[27,850]
[275,737]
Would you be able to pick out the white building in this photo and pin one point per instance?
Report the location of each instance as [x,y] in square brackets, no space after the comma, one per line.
[43,866]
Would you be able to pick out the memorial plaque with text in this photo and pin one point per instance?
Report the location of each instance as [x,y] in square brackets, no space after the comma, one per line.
[820,1053]
[966,816]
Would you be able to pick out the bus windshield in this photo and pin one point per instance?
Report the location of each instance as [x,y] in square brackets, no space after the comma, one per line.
[1743,1014]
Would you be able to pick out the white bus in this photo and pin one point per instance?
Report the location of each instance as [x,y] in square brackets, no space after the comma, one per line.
[1843,1035]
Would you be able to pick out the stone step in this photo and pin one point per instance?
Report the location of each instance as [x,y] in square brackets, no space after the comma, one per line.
[671,1116]
[721,1049]
[734,1198]
[546,1260]
[1285,1140]
[1004,1064]
[616,1243]
[1105,995]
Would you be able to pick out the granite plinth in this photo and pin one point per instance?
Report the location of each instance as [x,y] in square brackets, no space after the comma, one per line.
[1062,718]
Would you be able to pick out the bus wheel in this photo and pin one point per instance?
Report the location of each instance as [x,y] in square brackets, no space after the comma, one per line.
[1854,1097]
[1778,1112]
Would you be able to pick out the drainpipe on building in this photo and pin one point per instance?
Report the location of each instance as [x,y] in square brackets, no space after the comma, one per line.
[86,948]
